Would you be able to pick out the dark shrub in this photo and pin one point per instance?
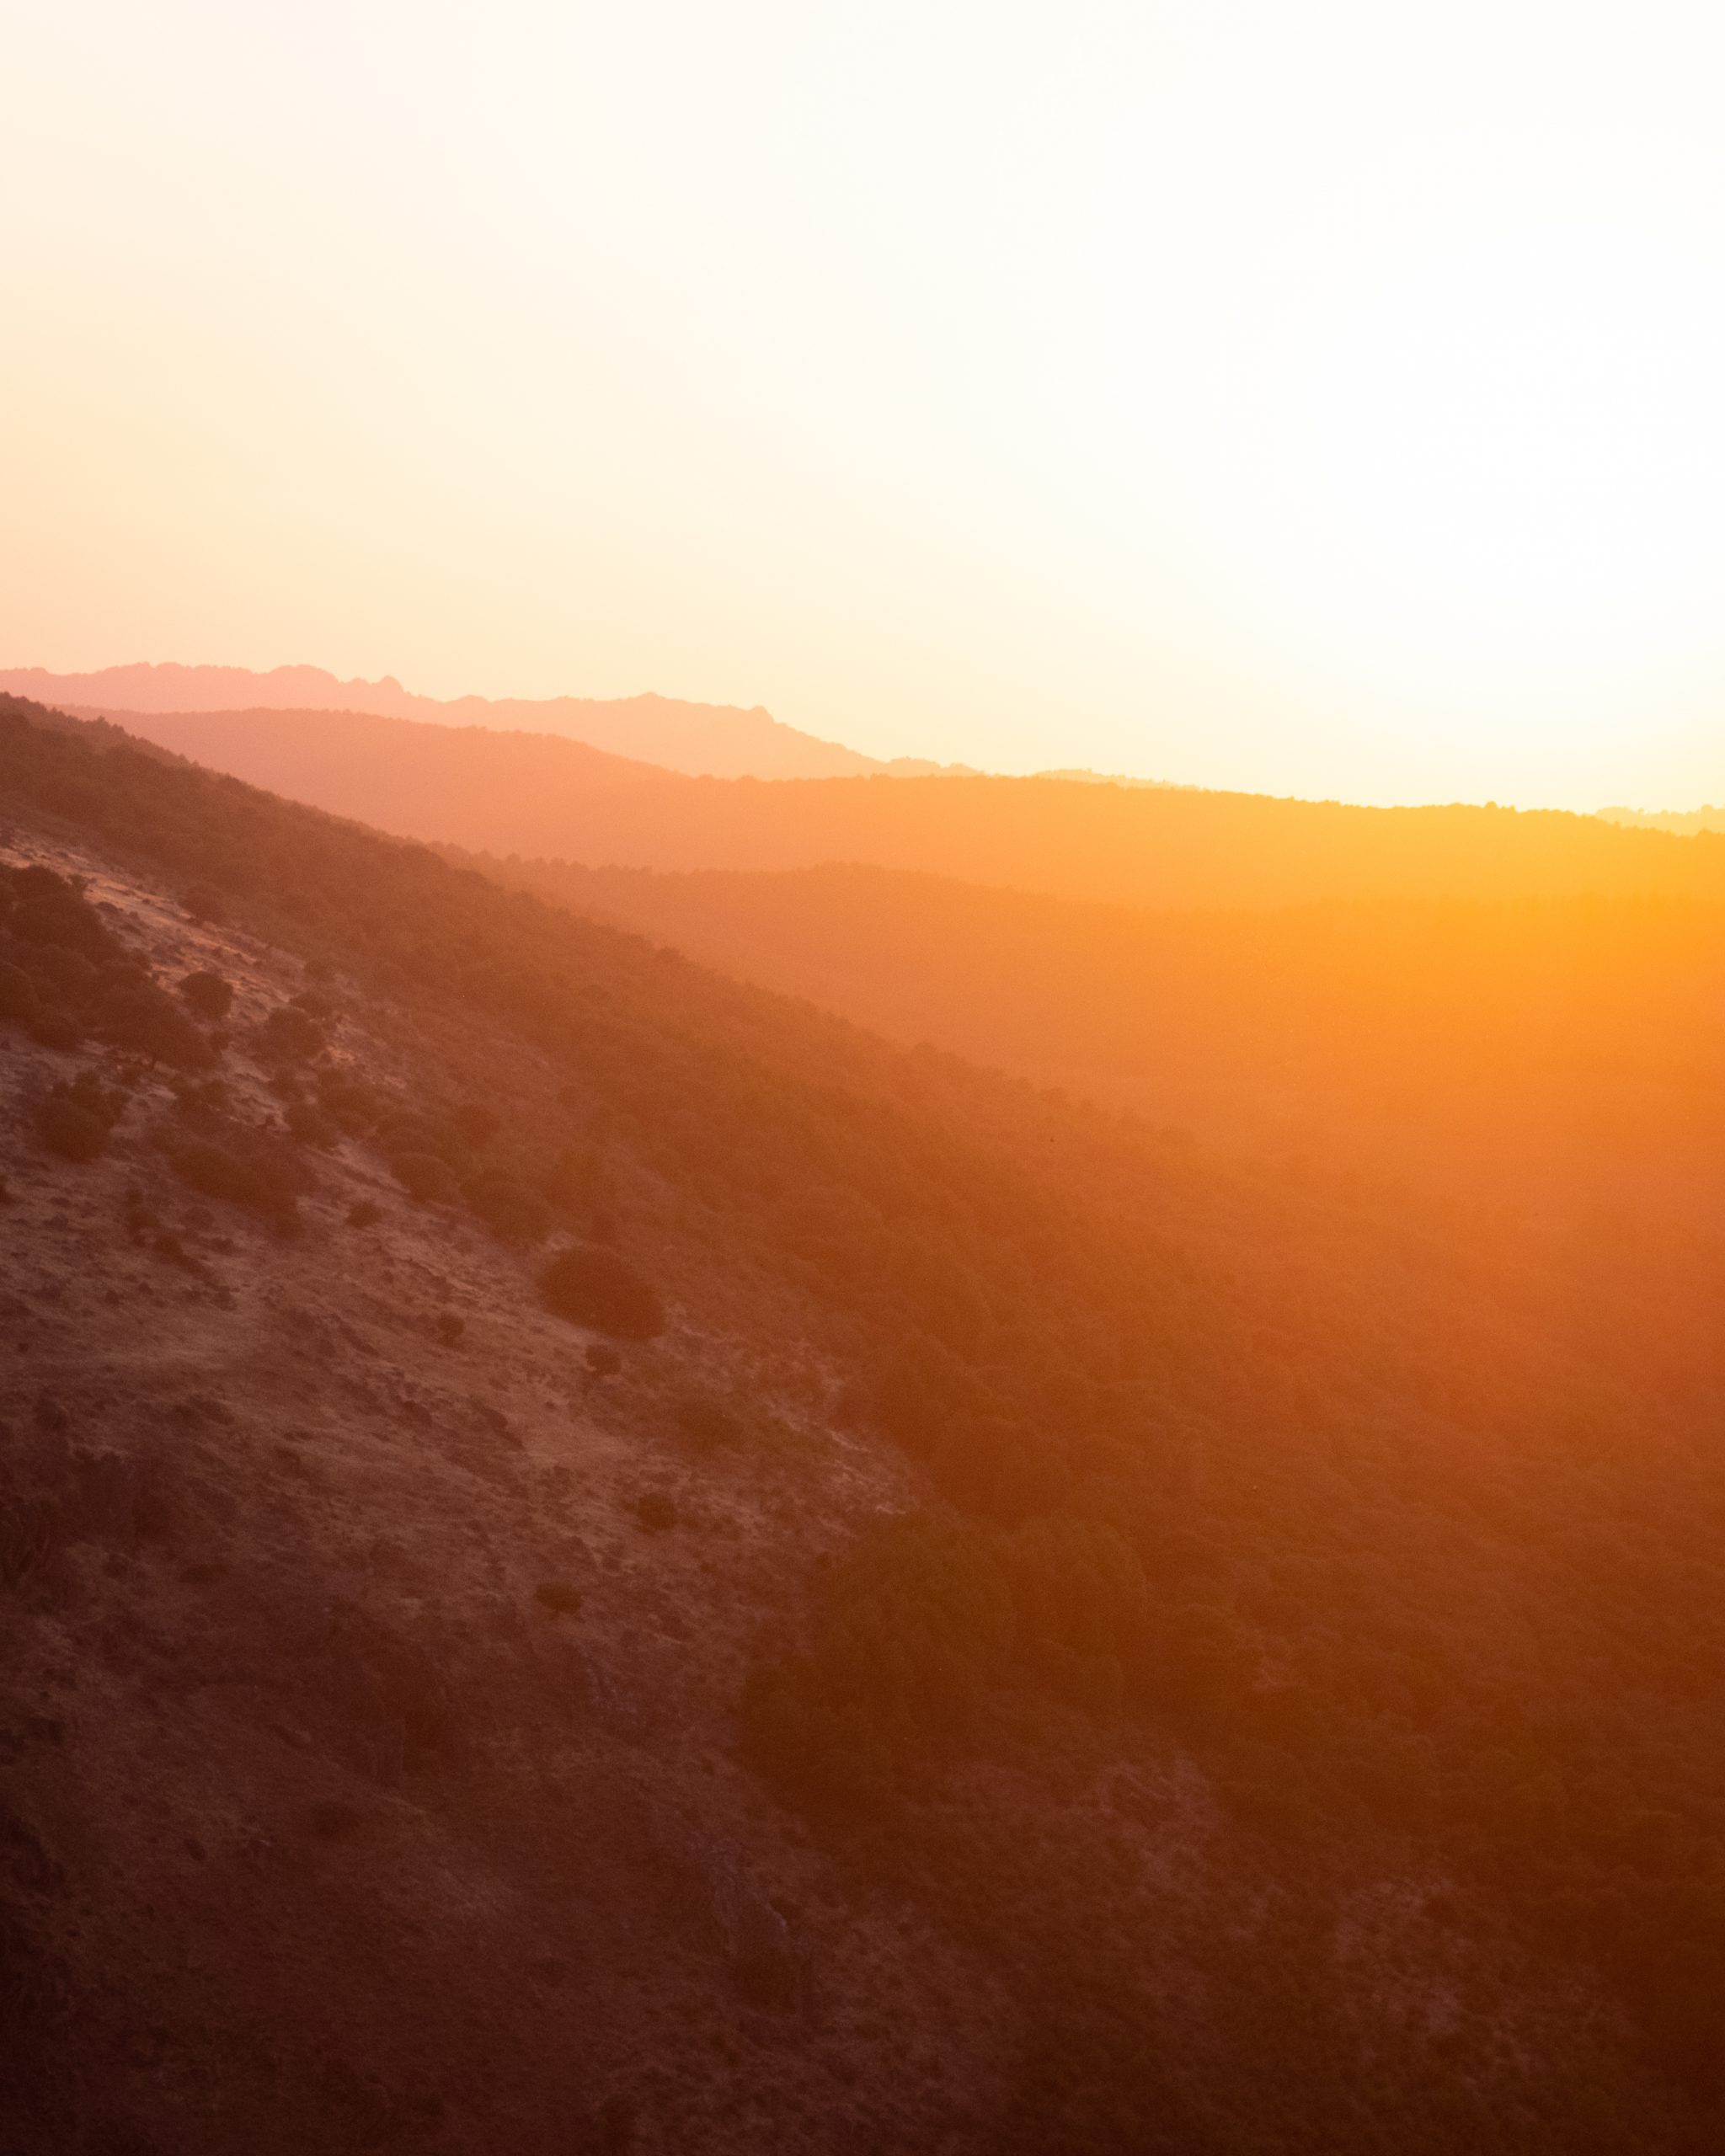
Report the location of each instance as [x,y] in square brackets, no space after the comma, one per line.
[141,1017]
[559,1596]
[60,974]
[513,1213]
[64,918]
[449,1327]
[590,1285]
[309,1126]
[18,1000]
[476,1126]
[75,1119]
[256,1185]
[406,1130]
[56,1029]
[71,1131]
[425,1178]
[351,1102]
[289,1036]
[572,1176]
[924,1390]
[657,1511]
[208,994]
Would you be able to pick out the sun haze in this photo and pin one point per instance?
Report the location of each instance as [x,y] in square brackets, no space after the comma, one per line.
[861,1031]
[1316,401]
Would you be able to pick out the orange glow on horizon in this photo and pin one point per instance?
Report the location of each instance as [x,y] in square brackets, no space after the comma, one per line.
[1319,404]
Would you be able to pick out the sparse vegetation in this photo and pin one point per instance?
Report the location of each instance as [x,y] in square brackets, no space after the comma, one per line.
[426,1180]
[591,1285]
[76,1118]
[1394,1530]
[245,1170]
[19,1003]
[209,995]
[288,1035]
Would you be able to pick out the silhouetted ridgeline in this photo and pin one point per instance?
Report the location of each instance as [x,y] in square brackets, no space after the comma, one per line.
[532,794]
[1372,1542]
[720,740]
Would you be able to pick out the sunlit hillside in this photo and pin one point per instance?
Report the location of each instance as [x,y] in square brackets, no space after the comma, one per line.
[1563,1053]
[534,795]
[663,1563]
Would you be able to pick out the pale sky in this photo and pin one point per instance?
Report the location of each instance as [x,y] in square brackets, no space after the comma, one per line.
[1323,398]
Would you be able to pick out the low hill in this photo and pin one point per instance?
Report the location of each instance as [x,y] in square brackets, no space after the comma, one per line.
[719,740]
[594,1559]
[1565,1054]
[532,795]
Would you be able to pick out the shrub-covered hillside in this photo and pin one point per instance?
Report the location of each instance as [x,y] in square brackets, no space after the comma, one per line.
[1564,1052]
[1296,1681]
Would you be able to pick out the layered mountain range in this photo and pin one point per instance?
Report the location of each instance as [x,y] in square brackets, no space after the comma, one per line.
[595,1558]
[717,740]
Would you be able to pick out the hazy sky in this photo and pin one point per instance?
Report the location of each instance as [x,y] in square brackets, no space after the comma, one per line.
[1319,399]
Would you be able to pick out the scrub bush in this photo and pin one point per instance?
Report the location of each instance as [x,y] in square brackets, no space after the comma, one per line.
[593,1286]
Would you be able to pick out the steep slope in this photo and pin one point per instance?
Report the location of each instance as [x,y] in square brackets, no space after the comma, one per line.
[531,795]
[1119,1649]
[367,1776]
[721,740]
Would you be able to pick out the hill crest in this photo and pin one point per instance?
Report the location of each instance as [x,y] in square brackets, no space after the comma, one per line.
[701,739]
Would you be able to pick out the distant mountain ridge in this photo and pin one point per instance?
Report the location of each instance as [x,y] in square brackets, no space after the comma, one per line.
[1681,823]
[702,740]
[536,794]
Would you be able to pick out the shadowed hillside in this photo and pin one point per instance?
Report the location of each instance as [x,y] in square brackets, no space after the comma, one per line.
[531,795]
[594,1559]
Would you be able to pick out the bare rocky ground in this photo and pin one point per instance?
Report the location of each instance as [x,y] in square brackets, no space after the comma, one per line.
[325,1822]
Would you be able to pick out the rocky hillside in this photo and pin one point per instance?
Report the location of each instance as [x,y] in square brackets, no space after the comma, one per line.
[592,1560]
[365,1726]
